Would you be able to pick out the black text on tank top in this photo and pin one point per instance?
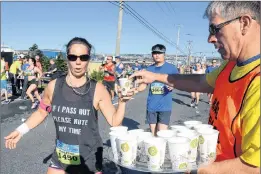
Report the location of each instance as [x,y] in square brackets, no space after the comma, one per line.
[76,123]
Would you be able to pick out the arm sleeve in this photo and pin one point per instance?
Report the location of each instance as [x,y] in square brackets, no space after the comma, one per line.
[212,76]
[250,115]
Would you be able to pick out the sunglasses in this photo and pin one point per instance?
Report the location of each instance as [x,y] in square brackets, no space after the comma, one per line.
[84,57]
[214,29]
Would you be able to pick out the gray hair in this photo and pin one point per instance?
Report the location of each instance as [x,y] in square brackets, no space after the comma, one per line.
[232,9]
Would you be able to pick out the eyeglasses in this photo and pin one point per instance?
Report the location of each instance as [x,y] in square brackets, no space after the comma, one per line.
[214,29]
[84,57]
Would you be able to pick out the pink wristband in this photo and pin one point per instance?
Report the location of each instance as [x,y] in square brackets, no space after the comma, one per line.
[45,107]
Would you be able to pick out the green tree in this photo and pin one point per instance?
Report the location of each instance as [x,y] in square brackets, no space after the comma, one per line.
[33,47]
[45,61]
[34,50]
[61,63]
[97,75]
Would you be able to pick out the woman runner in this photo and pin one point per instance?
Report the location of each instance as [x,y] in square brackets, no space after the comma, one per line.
[74,101]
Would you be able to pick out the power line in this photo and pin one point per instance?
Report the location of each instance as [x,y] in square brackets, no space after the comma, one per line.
[149,26]
[167,7]
[165,13]
[172,8]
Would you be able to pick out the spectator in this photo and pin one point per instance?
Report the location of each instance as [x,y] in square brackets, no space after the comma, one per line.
[128,70]
[13,72]
[4,82]
[51,72]
[143,65]
[136,66]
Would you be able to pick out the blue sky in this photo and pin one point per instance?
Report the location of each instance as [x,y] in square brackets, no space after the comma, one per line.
[52,24]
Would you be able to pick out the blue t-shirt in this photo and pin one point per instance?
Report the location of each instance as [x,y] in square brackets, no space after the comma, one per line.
[24,66]
[160,98]
[210,69]
[136,68]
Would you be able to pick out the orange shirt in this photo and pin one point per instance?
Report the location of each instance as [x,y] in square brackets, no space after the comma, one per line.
[107,76]
[225,112]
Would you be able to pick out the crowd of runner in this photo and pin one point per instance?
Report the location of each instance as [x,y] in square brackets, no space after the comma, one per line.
[24,77]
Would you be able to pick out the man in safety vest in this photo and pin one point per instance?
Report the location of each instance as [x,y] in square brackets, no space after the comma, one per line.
[234,29]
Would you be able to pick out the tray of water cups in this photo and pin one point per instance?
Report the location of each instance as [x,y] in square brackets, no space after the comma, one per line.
[182,148]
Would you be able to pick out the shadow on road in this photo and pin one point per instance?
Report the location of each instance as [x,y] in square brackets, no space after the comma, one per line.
[180,102]
[130,123]
[184,95]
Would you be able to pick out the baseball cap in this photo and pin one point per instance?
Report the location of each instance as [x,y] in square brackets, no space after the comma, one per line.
[214,61]
[158,49]
[117,57]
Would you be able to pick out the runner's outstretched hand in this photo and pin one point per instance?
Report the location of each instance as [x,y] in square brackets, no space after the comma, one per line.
[12,139]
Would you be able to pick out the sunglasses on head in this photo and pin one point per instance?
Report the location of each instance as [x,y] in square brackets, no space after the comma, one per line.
[84,57]
[214,29]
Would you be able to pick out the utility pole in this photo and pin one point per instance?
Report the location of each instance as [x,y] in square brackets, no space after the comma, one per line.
[118,40]
[189,51]
[176,61]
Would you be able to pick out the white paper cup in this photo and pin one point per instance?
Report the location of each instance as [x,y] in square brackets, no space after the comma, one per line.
[113,136]
[178,128]
[179,151]
[155,150]
[191,124]
[127,149]
[119,128]
[125,85]
[165,134]
[141,147]
[193,144]
[207,144]
[202,126]
[135,131]
[144,135]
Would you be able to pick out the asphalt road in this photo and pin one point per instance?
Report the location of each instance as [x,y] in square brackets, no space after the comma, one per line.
[31,154]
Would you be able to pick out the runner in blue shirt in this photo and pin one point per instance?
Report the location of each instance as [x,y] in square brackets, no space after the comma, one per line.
[159,102]
[136,67]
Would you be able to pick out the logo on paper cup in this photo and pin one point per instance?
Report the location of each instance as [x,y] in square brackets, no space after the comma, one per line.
[127,84]
[125,147]
[201,139]
[183,166]
[153,151]
[194,143]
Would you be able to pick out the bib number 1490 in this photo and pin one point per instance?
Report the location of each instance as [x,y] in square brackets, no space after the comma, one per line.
[68,158]
[68,154]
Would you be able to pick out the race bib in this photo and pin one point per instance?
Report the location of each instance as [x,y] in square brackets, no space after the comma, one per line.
[68,154]
[157,88]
